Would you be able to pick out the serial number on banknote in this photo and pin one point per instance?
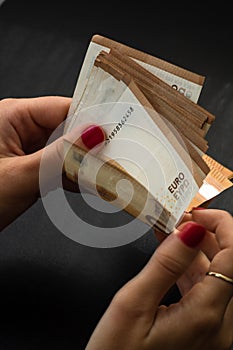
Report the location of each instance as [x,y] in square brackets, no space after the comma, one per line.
[119,125]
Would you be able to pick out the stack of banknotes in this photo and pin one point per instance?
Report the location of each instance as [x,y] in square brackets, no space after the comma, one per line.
[154,161]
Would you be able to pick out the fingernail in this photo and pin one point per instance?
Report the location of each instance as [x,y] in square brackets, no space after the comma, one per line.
[92,136]
[192,234]
[198,208]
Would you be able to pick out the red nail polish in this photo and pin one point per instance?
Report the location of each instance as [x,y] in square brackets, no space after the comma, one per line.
[198,208]
[92,136]
[192,234]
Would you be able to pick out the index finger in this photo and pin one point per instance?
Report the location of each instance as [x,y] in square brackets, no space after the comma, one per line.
[217,221]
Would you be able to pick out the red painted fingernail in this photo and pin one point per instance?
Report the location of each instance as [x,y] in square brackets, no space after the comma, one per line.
[92,136]
[192,234]
[198,208]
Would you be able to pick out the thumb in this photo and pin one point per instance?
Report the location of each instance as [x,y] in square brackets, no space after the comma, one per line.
[45,167]
[167,264]
[175,255]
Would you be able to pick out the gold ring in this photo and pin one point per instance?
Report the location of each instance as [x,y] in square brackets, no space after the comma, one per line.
[220,275]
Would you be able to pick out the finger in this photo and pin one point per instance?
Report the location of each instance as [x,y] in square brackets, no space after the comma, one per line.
[46,111]
[166,265]
[46,166]
[217,291]
[217,221]
[197,270]
[35,118]
[221,224]
[88,138]
[209,245]
[194,273]
[161,236]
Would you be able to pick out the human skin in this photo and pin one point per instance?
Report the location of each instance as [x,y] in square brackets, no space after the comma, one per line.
[26,124]
[135,319]
[202,318]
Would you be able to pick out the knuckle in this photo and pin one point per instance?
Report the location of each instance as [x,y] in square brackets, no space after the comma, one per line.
[126,306]
[225,215]
[8,100]
[9,104]
[170,265]
[120,301]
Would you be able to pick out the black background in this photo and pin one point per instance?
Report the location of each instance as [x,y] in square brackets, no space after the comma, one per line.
[52,290]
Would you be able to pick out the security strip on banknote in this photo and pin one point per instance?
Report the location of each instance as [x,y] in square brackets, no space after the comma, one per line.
[155,135]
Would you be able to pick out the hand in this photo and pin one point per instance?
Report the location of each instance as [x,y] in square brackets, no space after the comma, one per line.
[202,319]
[25,127]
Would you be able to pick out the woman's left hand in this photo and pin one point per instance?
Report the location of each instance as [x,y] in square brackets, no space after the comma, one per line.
[26,125]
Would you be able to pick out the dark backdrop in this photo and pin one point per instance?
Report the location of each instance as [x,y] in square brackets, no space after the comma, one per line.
[52,290]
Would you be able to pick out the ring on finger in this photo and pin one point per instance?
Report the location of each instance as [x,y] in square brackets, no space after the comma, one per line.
[220,275]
